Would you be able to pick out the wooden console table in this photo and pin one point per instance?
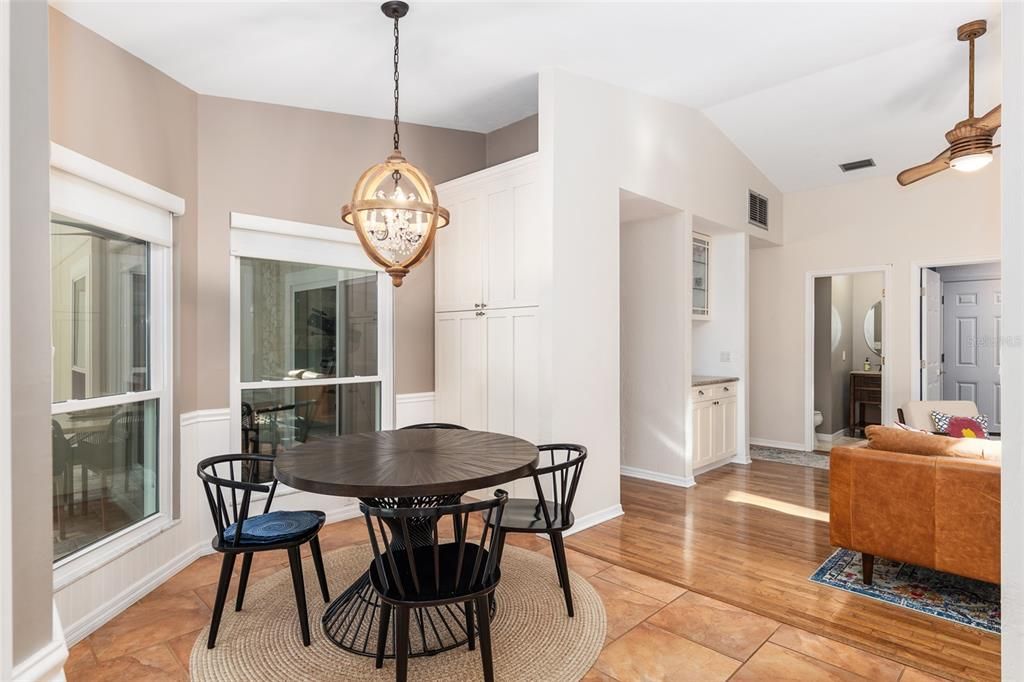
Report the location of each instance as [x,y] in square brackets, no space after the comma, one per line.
[865,392]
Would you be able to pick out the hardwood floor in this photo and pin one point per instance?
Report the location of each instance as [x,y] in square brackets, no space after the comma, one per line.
[707,583]
[750,536]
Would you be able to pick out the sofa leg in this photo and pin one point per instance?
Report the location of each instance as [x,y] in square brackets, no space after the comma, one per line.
[868,563]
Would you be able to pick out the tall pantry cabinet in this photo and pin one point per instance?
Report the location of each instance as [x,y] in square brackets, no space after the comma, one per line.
[488,269]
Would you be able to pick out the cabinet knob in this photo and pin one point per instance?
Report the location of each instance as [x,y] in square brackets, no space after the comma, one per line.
[483,305]
[700,392]
[476,305]
[480,314]
[726,389]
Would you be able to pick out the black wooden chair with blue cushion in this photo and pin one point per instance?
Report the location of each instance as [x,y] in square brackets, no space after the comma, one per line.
[230,481]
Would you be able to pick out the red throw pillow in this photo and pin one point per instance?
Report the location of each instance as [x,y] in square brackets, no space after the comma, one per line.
[965,427]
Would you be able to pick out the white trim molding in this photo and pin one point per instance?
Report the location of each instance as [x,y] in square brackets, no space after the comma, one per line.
[595,519]
[82,166]
[47,663]
[647,475]
[414,408]
[780,444]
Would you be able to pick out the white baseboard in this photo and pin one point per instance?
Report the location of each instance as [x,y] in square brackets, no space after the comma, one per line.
[85,626]
[781,444]
[414,408]
[594,519]
[829,437]
[46,664]
[680,481]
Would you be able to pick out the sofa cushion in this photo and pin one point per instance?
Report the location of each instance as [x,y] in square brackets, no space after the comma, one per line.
[916,443]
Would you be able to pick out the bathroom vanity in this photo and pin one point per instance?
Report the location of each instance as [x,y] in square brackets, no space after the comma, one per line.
[865,400]
[714,400]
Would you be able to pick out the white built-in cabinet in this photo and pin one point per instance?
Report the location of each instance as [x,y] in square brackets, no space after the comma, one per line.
[487,281]
[714,423]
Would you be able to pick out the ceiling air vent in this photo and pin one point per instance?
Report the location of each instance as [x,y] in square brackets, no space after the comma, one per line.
[757,212]
[857,165]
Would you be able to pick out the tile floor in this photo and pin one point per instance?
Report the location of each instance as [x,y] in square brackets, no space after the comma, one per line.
[656,630]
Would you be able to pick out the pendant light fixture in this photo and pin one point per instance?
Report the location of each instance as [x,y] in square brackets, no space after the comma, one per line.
[394,206]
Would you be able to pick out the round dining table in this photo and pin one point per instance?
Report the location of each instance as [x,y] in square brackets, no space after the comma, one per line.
[404,468]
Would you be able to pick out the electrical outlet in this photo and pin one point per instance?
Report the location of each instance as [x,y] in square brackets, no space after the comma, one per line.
[726,356]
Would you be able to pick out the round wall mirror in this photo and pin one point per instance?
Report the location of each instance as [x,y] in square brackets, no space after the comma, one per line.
[873,328]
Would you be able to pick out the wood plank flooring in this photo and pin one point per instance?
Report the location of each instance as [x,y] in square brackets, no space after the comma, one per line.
[707,583]
[750,536]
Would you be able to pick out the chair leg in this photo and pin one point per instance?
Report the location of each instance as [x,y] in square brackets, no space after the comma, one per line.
[401,643]
[554,553]
[485,638]
[295,561]
[226,566]
[318,562]
[243,580]
[563,571]
[868,564]
[382,633]
[470,636]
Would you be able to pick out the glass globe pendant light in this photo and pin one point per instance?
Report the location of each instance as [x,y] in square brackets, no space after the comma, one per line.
[394,207]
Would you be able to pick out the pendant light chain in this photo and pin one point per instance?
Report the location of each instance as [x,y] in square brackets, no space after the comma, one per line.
[396,83]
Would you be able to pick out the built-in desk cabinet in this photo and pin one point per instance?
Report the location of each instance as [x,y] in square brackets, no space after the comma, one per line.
[714,423]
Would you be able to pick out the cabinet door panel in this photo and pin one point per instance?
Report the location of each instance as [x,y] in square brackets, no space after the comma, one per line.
[728,414]
[703,429]
[512,372]
[460,369]
[513,245]
[458,266]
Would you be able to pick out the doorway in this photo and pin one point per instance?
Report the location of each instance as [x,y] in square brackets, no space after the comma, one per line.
[847,384]
[960,328]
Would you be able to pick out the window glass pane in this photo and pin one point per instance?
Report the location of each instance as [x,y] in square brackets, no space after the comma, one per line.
[290,314]
[278,419]
[100,311]
[104,472]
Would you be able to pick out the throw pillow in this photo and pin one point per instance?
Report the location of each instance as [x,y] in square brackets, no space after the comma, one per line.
[942,421]
[965,427]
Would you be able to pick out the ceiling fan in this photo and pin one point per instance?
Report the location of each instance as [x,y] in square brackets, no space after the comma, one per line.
[970,140]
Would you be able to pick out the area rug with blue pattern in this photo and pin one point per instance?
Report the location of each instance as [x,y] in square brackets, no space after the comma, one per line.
[961,600]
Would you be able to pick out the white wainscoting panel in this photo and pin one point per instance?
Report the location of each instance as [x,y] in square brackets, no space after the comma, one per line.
[413,408]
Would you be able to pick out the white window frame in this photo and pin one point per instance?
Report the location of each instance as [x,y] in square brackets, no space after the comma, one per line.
[294,242]
[86,190]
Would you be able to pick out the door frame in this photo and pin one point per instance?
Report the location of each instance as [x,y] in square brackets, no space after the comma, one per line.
[915,305]
[887,408]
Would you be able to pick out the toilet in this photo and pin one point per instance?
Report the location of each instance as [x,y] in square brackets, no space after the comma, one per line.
[818,418]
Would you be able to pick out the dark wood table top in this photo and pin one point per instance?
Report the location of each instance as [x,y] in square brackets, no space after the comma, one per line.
[405,463]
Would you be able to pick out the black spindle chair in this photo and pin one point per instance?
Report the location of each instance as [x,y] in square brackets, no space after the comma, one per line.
[551,513]
[434,425]
[230,481]
[414,567]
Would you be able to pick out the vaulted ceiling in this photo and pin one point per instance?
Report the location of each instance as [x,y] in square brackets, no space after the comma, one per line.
[799,87]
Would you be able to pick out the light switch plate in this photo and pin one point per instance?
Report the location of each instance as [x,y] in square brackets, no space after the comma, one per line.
[726,356]
[844,356]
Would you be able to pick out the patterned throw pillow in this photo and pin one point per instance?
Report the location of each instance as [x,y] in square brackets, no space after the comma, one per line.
[965,427]
[942,423]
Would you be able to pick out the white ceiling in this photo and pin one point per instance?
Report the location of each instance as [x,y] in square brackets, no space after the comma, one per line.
[800,87]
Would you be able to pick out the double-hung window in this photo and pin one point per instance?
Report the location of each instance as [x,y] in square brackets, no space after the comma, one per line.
[311,335]
[110,292]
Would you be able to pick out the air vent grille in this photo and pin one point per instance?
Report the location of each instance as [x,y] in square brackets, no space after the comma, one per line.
[857,165]
[757,212]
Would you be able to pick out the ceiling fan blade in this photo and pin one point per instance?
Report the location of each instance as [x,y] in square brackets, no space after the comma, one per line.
[992,119]
[939,163]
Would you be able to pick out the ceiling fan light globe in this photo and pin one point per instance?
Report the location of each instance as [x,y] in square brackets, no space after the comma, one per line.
[971,162]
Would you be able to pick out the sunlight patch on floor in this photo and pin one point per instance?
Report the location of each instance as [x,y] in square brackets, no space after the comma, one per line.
[741,497]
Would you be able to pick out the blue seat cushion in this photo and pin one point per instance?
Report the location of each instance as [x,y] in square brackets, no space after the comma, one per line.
[277,526]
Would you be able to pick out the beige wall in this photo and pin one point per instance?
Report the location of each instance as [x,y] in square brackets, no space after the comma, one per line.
[300,164]
[872,222]
[514,140]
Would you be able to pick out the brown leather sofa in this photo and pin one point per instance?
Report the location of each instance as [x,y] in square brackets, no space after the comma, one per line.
[937,511]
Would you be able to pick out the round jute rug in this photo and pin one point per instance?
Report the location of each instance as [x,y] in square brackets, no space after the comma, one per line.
[532,637]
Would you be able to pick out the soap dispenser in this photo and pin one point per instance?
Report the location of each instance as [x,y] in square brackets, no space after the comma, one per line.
[867,364]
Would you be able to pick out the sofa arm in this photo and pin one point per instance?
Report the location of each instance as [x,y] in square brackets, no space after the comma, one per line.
[967,518]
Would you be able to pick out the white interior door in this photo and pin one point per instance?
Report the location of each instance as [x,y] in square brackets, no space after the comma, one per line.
[931,335]
[971,329]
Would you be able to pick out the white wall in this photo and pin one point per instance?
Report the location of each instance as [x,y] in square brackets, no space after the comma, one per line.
[1012,138]
[872,222]
[867,290]
[655,331]
[596,139]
